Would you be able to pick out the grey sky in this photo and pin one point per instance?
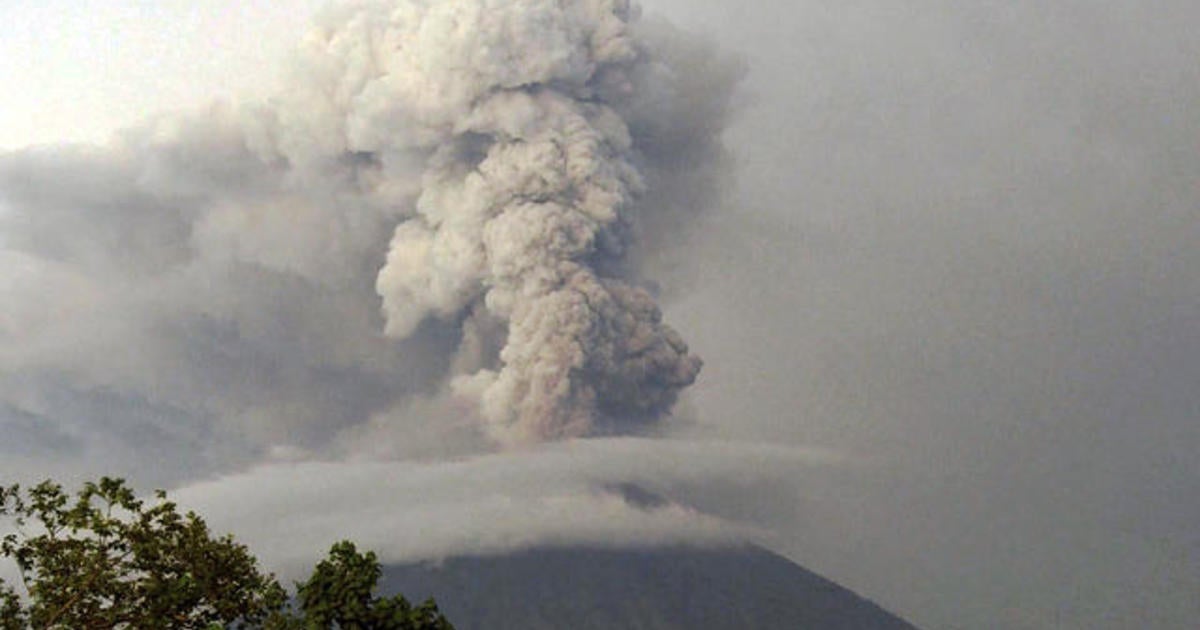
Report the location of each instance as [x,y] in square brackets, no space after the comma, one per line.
[960,253]
[979,222]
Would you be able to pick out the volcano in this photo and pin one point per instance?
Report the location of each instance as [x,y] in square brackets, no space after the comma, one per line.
[667,588]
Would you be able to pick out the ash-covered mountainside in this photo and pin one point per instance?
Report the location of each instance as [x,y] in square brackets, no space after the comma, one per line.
[634,589]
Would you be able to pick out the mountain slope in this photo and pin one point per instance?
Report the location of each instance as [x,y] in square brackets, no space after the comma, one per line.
[651,589]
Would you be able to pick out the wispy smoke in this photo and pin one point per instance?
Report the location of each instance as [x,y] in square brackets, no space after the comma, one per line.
[450,198]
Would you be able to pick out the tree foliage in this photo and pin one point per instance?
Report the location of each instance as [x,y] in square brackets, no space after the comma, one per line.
[105,559]
[340,593]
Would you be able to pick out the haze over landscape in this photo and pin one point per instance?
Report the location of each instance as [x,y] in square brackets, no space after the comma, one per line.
[439,276]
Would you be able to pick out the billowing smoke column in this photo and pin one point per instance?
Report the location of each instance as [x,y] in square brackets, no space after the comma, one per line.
[484,181]
[526,205]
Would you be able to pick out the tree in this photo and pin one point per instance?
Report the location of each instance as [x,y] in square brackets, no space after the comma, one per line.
[340,594]
[12,616]
[108,560]
[105,559]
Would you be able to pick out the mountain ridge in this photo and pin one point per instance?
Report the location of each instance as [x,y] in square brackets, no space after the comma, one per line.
[652,588]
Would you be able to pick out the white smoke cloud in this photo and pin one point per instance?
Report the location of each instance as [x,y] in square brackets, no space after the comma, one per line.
[467,177]
[526,199]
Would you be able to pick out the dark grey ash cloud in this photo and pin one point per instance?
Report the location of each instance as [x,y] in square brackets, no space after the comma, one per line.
[978,223]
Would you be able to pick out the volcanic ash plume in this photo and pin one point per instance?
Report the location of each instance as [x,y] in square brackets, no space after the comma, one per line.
[495,174]
[527,202]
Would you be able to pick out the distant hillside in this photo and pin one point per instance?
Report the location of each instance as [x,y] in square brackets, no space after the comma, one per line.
[660,589]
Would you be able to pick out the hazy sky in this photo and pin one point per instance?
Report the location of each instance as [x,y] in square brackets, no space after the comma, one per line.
[954,287]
